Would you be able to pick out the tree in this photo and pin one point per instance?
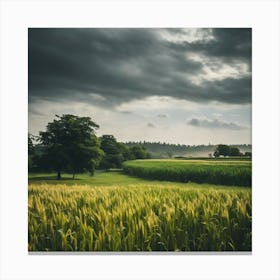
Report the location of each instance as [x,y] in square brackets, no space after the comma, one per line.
[234,152]
[125,151]
[113,157]
[30,151]
[248,154]
[70,145]
[109,144]
[216,153]
[225,150]
[221,150]
[139,152]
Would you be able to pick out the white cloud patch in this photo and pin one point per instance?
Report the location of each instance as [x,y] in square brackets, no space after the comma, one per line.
[216,69]
[189,35]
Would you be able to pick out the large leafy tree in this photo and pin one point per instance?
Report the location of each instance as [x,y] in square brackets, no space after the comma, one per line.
[70,144]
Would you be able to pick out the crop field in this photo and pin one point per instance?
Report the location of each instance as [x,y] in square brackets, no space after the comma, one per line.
[116,212]
[222,172]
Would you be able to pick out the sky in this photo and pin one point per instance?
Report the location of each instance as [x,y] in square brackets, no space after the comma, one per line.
[177,85]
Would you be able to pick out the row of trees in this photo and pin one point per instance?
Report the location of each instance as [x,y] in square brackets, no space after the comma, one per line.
[165,150]
[229,151]
[70,144]
[115,153]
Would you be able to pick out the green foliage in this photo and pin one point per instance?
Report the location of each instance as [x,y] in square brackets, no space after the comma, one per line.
[166,150]
[113,156]
[109,144]
[70,144]
[139,152]
[225,150]
[116,153]
[227,172]
[30,151]
[222,150]
[143,217]
[248,154]
[234,152]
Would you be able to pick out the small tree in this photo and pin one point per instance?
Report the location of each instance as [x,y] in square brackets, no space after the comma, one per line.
[70,144]
[248,154]
[113,157]
[234,152]
[216,153]
[30,151]
[125,151]
[225,150]
[139,152]
[222,150]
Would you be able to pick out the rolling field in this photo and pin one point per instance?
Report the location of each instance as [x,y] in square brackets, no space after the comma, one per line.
[116,212]
[222,172]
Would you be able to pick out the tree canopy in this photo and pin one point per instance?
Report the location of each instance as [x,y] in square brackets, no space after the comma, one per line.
[113,157]
[70,144]
[115,153]
[225,150]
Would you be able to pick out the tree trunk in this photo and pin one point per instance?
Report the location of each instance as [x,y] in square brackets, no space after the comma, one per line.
[58,175]
[92,171]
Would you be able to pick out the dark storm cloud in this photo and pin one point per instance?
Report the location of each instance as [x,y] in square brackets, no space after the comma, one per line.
[214,124]
[112,66]
[227,43]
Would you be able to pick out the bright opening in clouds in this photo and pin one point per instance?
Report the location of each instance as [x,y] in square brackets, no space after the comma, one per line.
[189,86]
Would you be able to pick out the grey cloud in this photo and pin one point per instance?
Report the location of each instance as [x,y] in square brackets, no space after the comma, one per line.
[35,112]
[227,43]
[214,124]
[162,116]
[151,125]
[111,66]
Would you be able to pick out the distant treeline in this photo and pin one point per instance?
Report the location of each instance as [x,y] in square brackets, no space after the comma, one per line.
[166,150]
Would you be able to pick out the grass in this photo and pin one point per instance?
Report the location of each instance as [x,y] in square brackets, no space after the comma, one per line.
[115,212]
[222,172]
[101,178]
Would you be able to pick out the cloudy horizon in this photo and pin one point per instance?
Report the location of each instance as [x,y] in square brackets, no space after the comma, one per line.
[187,86]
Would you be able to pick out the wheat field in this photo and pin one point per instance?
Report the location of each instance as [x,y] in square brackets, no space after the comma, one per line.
[139,217]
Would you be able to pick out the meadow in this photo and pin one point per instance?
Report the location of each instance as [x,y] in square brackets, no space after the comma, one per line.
[113,211]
